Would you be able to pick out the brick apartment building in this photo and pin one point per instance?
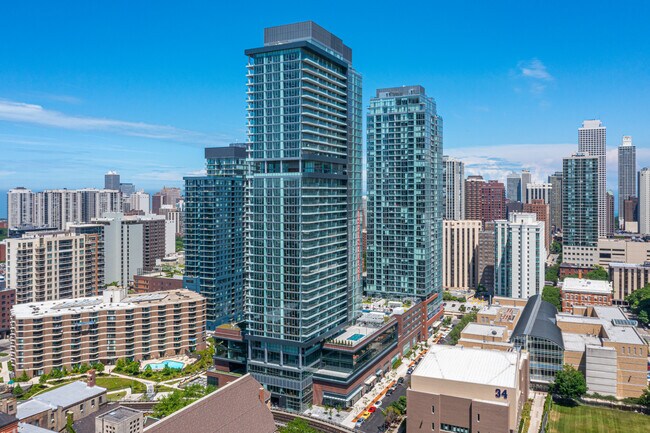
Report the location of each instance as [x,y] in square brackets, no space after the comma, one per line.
[57,334]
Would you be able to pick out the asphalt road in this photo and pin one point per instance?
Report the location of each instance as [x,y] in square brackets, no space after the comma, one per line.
[375,422]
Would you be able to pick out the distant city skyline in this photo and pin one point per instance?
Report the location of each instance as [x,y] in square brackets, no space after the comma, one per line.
[145,101]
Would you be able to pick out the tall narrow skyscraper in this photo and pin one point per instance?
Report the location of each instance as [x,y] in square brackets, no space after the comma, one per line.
[555,203]
[214,234]
[592,138]
[520,255]
[454,188]
[611,219]
[626,177]
[526,178]
[404,195]
[580,208]
[513,187]
[304,222]
[644,201]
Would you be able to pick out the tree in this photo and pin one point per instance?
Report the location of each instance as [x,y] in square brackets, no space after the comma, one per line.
[645,398]
[551,294]
[18,390]
[98,366]
[178,399]
[598,273]
[552,273]
[297,425]
[569,383]
[556,247]
[639,302]
[454,334]
[391,413]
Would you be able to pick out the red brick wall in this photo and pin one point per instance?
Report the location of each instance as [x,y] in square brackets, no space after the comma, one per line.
[146,284]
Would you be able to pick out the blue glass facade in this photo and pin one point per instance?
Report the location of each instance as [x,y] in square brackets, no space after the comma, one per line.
[214,234]
[580,200]
[405,196]
[304,216]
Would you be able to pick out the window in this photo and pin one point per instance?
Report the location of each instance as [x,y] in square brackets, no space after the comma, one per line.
[478,417]
[81,407]
[433,409]
[433,426]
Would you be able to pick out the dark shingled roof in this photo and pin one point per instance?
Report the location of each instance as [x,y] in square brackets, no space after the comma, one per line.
[6,419]
[538,320]
[235,408]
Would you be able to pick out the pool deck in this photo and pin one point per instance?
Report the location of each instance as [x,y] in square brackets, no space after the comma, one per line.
[186,360]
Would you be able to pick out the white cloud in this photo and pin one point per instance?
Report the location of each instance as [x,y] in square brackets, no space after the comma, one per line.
[534,69]
[168,176]
[21,112]
[496,162]
[535,73]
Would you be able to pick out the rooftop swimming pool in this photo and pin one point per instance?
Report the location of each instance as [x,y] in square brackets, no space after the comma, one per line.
[176,365]
[355,337]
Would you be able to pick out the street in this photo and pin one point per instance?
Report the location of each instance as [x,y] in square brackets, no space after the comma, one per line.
[375,423]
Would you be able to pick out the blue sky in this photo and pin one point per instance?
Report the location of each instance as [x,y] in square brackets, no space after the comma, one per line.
[143,87]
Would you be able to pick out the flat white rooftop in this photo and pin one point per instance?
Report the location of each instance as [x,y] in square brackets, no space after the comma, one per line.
[484,330]
[98,303]
[579,342]
[612,320]
[476,366]
[581,285]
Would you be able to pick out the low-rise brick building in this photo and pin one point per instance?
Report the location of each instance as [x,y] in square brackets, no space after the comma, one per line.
[156,282]
[580,292]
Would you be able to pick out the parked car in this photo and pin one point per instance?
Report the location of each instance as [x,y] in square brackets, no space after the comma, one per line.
[400,380]
[379,403]
[366,415]
[372,409]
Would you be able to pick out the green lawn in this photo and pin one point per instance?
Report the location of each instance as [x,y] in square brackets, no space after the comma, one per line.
[117,396]
[115,383]
[587,419]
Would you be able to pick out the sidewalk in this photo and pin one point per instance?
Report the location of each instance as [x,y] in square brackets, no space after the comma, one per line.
[379,390]
[536,412]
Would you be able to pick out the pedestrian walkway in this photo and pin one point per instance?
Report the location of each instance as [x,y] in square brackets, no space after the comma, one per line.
[5,372]
[536,412]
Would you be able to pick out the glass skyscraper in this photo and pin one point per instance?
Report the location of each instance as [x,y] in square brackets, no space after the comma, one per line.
[304,204]
[626,177]
[405,195]
[214,234]
[580,208]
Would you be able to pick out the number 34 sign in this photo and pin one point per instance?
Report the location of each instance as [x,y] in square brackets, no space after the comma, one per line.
[501,393]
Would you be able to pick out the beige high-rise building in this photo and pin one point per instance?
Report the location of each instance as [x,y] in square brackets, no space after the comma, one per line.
[47,266]
[627,278]
[20,207]
[60,334]
[460,254]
